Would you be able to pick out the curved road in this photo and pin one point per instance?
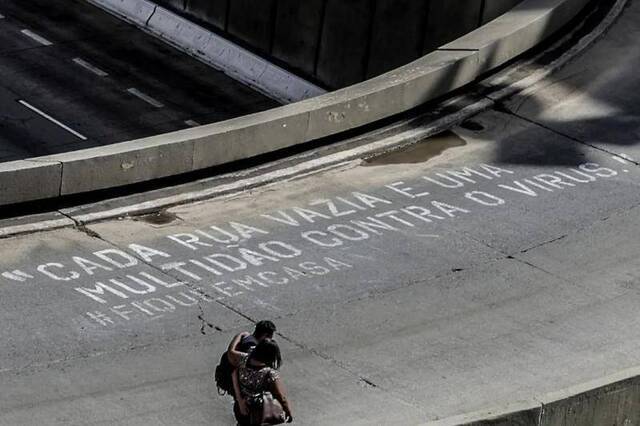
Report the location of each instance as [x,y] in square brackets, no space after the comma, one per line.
[478,268]
[75,77]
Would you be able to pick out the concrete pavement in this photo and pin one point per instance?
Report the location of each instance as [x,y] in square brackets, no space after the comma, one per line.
[479,268]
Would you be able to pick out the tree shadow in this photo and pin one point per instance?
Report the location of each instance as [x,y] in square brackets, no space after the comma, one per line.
[591,102]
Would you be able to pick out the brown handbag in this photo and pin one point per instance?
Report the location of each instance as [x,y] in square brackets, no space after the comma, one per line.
[265,410]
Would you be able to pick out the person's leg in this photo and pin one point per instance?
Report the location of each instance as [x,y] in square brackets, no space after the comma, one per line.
[242,420]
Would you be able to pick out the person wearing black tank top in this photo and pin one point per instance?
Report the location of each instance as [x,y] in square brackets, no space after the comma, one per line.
[245,342]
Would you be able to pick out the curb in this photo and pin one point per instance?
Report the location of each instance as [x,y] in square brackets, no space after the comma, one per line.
[208,47]
[397,91]
[244,181]
[617,397]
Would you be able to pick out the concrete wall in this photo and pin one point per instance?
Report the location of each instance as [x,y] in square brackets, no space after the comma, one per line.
[439,29]
[341,42]
[603,402]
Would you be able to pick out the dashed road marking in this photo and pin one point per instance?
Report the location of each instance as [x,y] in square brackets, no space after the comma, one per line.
[92,68]
[17,275]
[623,158]
[43,41]
[148,99]
[191,123]
[1,16]
[53,120]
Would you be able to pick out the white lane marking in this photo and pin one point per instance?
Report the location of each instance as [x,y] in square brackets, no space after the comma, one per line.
[191,123]
[1,16]
[43,41]
[148,99]
[17,275]
[53,120]
[623,158]
[86,65]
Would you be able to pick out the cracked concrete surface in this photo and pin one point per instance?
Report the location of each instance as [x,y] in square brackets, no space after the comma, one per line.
[533,284]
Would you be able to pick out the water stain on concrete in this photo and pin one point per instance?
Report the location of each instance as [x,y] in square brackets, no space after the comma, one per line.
[420,152]
[158,218]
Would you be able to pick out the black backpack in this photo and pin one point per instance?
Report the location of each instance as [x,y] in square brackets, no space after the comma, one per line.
[224,382]
[224,370]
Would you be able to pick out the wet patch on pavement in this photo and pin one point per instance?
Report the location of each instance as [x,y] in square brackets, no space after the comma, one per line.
[420,152]
[158,218]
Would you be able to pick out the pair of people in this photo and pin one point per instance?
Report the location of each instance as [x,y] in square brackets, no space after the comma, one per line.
[256,359]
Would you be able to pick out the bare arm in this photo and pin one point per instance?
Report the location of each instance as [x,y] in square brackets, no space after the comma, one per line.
[234,355]
[280,393]
[242,404]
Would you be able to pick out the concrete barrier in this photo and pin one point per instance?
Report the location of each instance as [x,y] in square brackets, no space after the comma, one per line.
[252,21]
[441,30]
[220,53]
[402,89]
[510,34]
[494,8]
[397,34]
[29,180]
[135,12]
[338,43]
[611,400]
[296,37]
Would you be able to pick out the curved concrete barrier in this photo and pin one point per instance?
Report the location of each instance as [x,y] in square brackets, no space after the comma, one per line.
[448,68]
[611,400]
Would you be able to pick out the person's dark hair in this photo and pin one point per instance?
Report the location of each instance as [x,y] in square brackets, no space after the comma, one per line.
[264,329]
[267,352]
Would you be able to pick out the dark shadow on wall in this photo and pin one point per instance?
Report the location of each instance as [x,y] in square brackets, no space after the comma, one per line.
[337,43]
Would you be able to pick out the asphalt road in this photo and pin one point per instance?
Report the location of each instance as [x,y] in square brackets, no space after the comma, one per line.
[479,268]
[75,77]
